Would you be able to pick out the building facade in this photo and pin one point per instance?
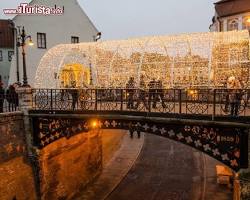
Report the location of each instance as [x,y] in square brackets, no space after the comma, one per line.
[231,15]
[6,50]
[46,31]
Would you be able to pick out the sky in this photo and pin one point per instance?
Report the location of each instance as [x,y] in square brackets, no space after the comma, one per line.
[121,19]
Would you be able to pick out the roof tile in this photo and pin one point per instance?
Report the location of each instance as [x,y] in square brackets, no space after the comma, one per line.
[230,7]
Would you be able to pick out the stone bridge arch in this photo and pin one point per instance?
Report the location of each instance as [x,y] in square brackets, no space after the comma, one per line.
[226,142]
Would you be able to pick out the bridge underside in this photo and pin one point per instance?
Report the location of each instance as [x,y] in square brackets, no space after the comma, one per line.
[226,142]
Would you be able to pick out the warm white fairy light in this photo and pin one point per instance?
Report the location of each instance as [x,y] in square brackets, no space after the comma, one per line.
[189,60]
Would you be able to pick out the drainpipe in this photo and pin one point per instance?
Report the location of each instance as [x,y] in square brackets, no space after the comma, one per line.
[219,24]
[15,31]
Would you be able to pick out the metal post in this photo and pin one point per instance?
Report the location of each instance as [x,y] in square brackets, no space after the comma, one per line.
[25,79]
[91,74]
[17,60]
[180,99]
[17,53]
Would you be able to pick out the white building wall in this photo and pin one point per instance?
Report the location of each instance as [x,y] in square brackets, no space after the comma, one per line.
[58,29]
[225,20]
[224,25]
[213,27]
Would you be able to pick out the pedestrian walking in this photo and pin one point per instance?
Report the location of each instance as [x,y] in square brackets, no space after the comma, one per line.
[234,94]
[142,94]
[152,92]
[160,92]
[130,92]
[226,91]
[74,94]
[12,98]
[134,128]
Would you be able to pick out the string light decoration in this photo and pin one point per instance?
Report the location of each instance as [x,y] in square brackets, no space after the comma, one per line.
[180,61]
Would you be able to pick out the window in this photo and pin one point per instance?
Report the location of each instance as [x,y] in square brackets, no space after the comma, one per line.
[10,54]
[1,55]
[74,39]
[41,40]
[233,25]
[246,23]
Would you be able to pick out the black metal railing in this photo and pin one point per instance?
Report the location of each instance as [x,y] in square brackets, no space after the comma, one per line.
[213,102]
[9,101]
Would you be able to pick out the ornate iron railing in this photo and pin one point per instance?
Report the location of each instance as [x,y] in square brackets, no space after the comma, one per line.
[212,102]
[9,101]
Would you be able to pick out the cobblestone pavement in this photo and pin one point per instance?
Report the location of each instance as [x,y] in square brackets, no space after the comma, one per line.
[167,170]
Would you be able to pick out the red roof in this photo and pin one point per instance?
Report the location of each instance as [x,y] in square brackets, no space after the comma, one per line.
[223,1]
[6,35]
[231,7]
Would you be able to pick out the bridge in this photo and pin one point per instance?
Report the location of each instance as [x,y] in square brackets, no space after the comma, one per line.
[199,118]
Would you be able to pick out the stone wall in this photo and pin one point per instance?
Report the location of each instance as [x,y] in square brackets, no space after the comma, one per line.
[111,142]
[16,176]
[69,166]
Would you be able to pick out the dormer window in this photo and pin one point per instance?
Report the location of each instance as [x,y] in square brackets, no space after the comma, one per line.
[233,25]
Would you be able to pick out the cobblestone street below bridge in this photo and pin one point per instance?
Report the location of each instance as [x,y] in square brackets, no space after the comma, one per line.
[167,170]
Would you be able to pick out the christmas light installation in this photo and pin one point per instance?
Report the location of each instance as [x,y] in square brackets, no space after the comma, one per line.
[180,61]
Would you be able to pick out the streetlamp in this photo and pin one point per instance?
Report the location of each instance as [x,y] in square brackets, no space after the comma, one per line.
[97,36]
[22,43]
[189,77]
[95,39]
[90,73]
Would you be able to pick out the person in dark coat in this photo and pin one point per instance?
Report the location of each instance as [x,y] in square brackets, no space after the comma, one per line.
[152,92]
[130,91]
[142,94]
[74,94]
[160,92]
[2,93]
[235,95]
[12,98]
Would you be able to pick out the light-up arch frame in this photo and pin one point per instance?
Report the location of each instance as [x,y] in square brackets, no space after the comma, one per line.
[188,60]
